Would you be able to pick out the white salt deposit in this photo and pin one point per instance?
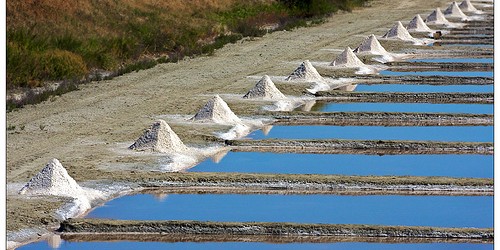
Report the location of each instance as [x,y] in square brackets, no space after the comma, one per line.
[398,31]
[305,72]
[454,11]
[417,25]
[467,6]
[159,138]
[217,110]
[236,132]
[53,179]
[437,17]
[370,46]
[266,89]
[347,59]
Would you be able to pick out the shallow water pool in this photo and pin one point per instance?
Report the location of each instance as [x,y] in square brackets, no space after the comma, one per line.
[434,133]
[424,88]
[439,211]
[403,107]
[133,245]
[480,166]
[439,73]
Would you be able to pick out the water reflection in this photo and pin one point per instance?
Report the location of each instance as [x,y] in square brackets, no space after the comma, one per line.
[439,73]
[403,107]
[425,88]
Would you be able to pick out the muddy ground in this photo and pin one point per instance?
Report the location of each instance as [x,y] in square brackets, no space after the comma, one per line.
[83,128]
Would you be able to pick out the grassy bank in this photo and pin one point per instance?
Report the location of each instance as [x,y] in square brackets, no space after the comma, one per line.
[53,41]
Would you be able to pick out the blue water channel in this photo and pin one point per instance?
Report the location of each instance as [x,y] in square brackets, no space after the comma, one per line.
[438,73]
[130,245]
[403,107]
[421,88]
[480,166]
[438,211]
[420,133]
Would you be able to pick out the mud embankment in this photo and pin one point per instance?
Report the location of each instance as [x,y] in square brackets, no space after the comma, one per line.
[381,119]
[404,97]
[426,80]
[449,66]
[98,226]
[369,147]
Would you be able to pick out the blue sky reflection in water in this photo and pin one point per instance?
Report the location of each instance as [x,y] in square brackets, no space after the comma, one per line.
[439,211]
[439,73]
[434,133]
[424,88]
[479,166]
[403,107]
[131,245]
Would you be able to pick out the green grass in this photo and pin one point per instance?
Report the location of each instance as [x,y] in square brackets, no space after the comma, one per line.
[60,46]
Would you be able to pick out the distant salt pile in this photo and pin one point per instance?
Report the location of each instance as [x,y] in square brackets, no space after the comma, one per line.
[417,25]
[265,88]
[454,11]
[370,46]
[467,6]
[159,138]
[304,72]
[347,59]
[53,179]
[398,31]
[216,110]
[436,17]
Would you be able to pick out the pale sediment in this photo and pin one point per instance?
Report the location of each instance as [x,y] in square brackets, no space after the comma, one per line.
[93,226]
[382,119]
[405,97]
[381,147]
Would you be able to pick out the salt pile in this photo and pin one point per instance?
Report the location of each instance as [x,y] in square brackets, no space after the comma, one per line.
[159,138]
[417,25]
[347,59]
[304,72]
[436,17]
[53,179]
[370,46]
[454,11]
[398,31]
[265,88]
[216,110]
[467,6]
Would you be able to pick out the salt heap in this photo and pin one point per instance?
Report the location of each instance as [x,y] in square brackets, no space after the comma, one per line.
[418,25]
[436,17]
[159,138]
[265,88]
[467,6]
[454,11]
[53,179]
[304,72]
[370,46]
[398,31]
[347,59]
[216,110]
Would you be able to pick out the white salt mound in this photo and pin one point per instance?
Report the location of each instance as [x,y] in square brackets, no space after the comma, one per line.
[467,6]
[398,31]
[347,59]
[436,17]
[417,24]
[159,138]
[265,88]
[370,46]
[305,72]
[454,11]
[216,110]
[53,179]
